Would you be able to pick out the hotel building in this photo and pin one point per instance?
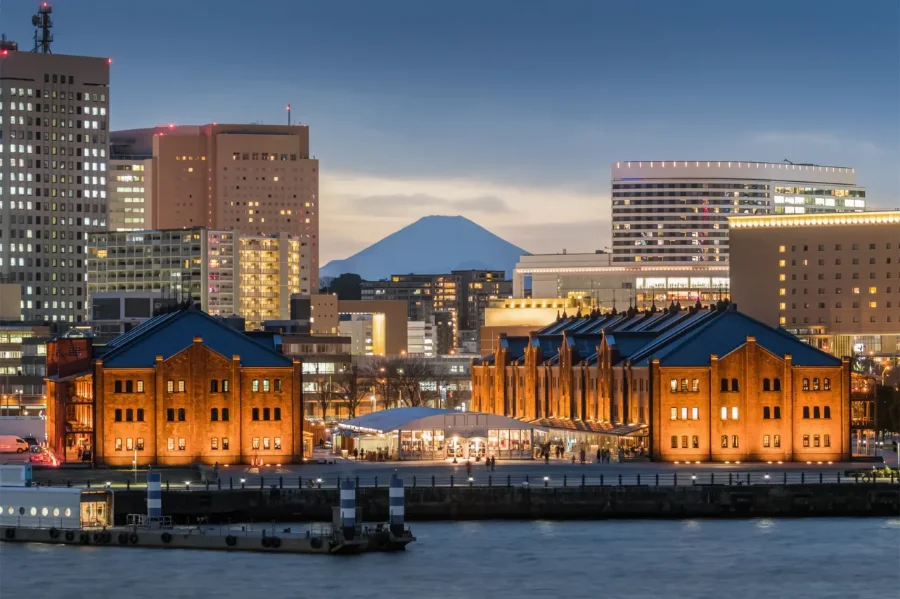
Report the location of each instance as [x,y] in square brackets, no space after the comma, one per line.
[677,211]
[54,111]
[832,279]
[253,179]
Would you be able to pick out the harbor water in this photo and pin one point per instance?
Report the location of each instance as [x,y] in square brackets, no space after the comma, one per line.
[735,559]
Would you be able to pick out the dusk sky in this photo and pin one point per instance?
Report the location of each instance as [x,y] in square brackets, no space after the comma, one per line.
[507,112]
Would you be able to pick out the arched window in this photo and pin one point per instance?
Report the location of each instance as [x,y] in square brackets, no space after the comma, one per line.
[224,414]
[777,412]
[118,415]
[129,386]
[766,384]
[214,414]
[224,385]
[827,384]
[776,384]
[213,386]
[724,386]
[117,387]
[806,411]
[766,412]
[278,385]
[255,385]
[673,385]
[140,414]
[734,385]
[816,413]
[129,415]
[806,384]
[827,411]
[816,384]
[266,415]
[265,385]
[181,415]
[277,413]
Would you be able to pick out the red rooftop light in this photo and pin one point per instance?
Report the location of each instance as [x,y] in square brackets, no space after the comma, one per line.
[109,61]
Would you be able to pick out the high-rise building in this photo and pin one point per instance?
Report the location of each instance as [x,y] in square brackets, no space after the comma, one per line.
[270,273]
[129,192]
[54,113]
[425,295]
[476,289]
[833,280]
[253,179]
[677,211]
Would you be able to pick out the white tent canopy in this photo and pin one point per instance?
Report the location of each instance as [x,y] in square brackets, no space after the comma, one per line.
[397,419]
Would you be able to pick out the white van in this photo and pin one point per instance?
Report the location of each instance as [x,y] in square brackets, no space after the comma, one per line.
[12,444]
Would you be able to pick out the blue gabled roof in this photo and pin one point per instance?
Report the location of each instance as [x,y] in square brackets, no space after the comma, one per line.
[514,346]
[169,334]
[726,332]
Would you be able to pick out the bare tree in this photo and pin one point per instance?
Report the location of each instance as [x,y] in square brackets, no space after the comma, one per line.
[411,374]
[350,385]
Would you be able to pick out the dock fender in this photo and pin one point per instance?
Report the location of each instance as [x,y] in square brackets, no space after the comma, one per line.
[231,540]
[9,534]
[123,538]
[266,542]
[316,543]
[275,543]
[166,538]
[54,533]
[70,536]
[133,538]
[84,538]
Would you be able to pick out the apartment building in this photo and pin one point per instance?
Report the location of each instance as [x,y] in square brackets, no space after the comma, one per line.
[130,193]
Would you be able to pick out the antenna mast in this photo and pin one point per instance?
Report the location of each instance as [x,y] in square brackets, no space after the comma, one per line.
[43,24]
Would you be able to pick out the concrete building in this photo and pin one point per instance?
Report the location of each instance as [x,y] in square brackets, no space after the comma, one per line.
[270,273]
[477,288]
[420,340]
[253,179]
[677,211]
[833,280]
[53,169]
[388,320]
[23,360]
[424,294]
[679,385]
[183,388]
[114,313]
[612,285]
[130,193]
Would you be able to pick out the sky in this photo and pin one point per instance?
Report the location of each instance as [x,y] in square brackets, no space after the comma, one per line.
[508,112]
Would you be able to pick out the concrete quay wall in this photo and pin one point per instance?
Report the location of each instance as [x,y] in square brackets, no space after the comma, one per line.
[518,503]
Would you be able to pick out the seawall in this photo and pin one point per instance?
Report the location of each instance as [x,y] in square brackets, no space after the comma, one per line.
[566,503]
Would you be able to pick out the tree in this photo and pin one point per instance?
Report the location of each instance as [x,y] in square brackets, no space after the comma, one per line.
[411,374]
[346,286]
[351,386]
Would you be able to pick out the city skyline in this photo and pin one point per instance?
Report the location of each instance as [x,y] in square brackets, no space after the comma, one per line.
[421,110]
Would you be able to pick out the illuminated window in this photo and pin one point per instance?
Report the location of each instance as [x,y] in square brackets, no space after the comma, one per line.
[673,385]
[734,413]
[695,413]
[873,290]
[695,385]
[782,320]
[277,442]
[781,249]
[684,413]
[673,414]
[267,443]
[734,441]
[674,440]
[724,414]
[782,291]
[724,440]
[782,277]
[782,263]
[856,290]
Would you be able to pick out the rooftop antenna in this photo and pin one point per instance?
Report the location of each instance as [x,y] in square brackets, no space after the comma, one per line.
[43,25]
[288,108]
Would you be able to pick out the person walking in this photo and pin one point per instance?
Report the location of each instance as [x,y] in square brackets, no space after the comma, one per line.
[468,468]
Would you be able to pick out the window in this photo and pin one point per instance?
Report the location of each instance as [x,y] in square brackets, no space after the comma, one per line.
[266,414]
[827,412]
[170,386]
[816,412]
[277,388]
[674,440]
[827,440]
[139,445]
[129,444]
[170,414]
[777,412]
[171,444]
[724,413]
[117,387]
[766,413]
[182,445]
[140,386]
[806,384]
[766,385]
[213,386]
[277,413]
[816,384]
[181,386]
[684,384]
[776,384]
[724,440]
[255,443]
[805,440]
[765,440]
[816,441]
[224,385]
[777,440]
[129,386]
[695,413]
[118,415]
[806,411]
[684,413]
[224,442]
[277,442]
[214,414]
[255,385]
[684,441]
[724,386]
[673,413]
[734,385]
[266,443]
[129,415]
[673,385]
[118,444]
[734,413]
[265,385]
[827,386]
[214,443]
[181,415]
[255,413]
[695,385]
[224,414]
[734,441]
[140,414]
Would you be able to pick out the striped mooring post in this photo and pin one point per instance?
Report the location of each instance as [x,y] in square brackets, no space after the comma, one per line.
[395,507]
[154,494]
[348,509]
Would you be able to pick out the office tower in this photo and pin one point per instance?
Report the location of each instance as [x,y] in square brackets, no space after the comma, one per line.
[129,192]
[677,211]
[54,111]
[253,179]
[269,267]
[425,294]
[476,289]
[833,280]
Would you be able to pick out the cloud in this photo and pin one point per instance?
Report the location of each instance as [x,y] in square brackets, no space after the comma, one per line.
[401,203]
[822,140]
